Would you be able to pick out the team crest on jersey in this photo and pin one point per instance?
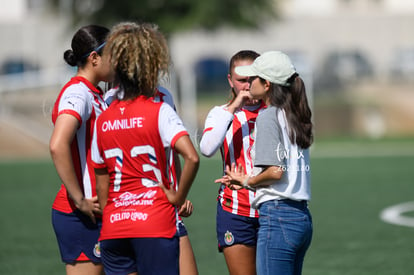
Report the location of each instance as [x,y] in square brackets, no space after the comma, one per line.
[228,238]
[97,250]
[122,109]
[227,202]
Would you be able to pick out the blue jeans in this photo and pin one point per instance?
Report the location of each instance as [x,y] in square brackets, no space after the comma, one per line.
[285,234]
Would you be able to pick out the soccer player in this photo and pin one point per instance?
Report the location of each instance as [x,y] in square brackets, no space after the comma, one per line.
[76,213]
[131,153]
[230,128]
[281,173]
[188,265]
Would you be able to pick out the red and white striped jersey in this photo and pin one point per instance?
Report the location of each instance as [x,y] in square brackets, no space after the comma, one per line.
[233,134]
[130,142]
[85,102]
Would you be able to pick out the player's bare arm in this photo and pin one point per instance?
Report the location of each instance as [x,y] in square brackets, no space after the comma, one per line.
[60,149]
[102,186]
[185,148]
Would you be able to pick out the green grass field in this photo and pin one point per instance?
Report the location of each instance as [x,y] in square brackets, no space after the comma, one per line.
[351,184]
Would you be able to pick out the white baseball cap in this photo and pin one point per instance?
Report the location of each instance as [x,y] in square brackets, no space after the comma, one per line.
[273,66]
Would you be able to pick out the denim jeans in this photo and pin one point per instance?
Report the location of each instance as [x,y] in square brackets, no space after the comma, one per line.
[285,234]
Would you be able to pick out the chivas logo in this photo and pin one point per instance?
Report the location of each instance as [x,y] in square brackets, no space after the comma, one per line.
[228,238]
[97,250]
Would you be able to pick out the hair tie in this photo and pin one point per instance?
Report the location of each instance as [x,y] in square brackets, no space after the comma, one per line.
[94,50]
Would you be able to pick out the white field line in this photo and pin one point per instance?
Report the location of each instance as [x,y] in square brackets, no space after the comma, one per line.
[395,214]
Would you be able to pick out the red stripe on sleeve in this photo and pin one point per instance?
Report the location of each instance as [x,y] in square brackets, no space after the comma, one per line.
[207,129]
[177,136]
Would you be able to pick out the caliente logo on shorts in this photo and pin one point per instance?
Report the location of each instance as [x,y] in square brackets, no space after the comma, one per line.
[97,250]
[228,238]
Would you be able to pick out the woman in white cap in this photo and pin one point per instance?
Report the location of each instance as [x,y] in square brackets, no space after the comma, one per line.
[281,174]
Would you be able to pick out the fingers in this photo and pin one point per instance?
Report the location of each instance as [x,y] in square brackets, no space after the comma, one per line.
[244,95]
[223,179]
[97,208]
[190,207]
[94,199]
[89,208]
[92,216]
[234,176]
[230,170]
[235,169]
[170,193]
[186,209]
[241,98]
[234,186]
[163,188]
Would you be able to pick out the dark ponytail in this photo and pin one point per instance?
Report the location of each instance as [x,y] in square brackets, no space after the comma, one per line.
[86,40]
[69,57]
[294,101]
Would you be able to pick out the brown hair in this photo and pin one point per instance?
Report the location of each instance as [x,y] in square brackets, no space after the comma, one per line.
[139,56]
[293,100]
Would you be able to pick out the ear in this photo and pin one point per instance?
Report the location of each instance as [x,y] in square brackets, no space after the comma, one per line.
[94,58]
[267,85]
[229,80]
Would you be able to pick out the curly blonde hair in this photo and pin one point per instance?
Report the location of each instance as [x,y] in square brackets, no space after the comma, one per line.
[139,56]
